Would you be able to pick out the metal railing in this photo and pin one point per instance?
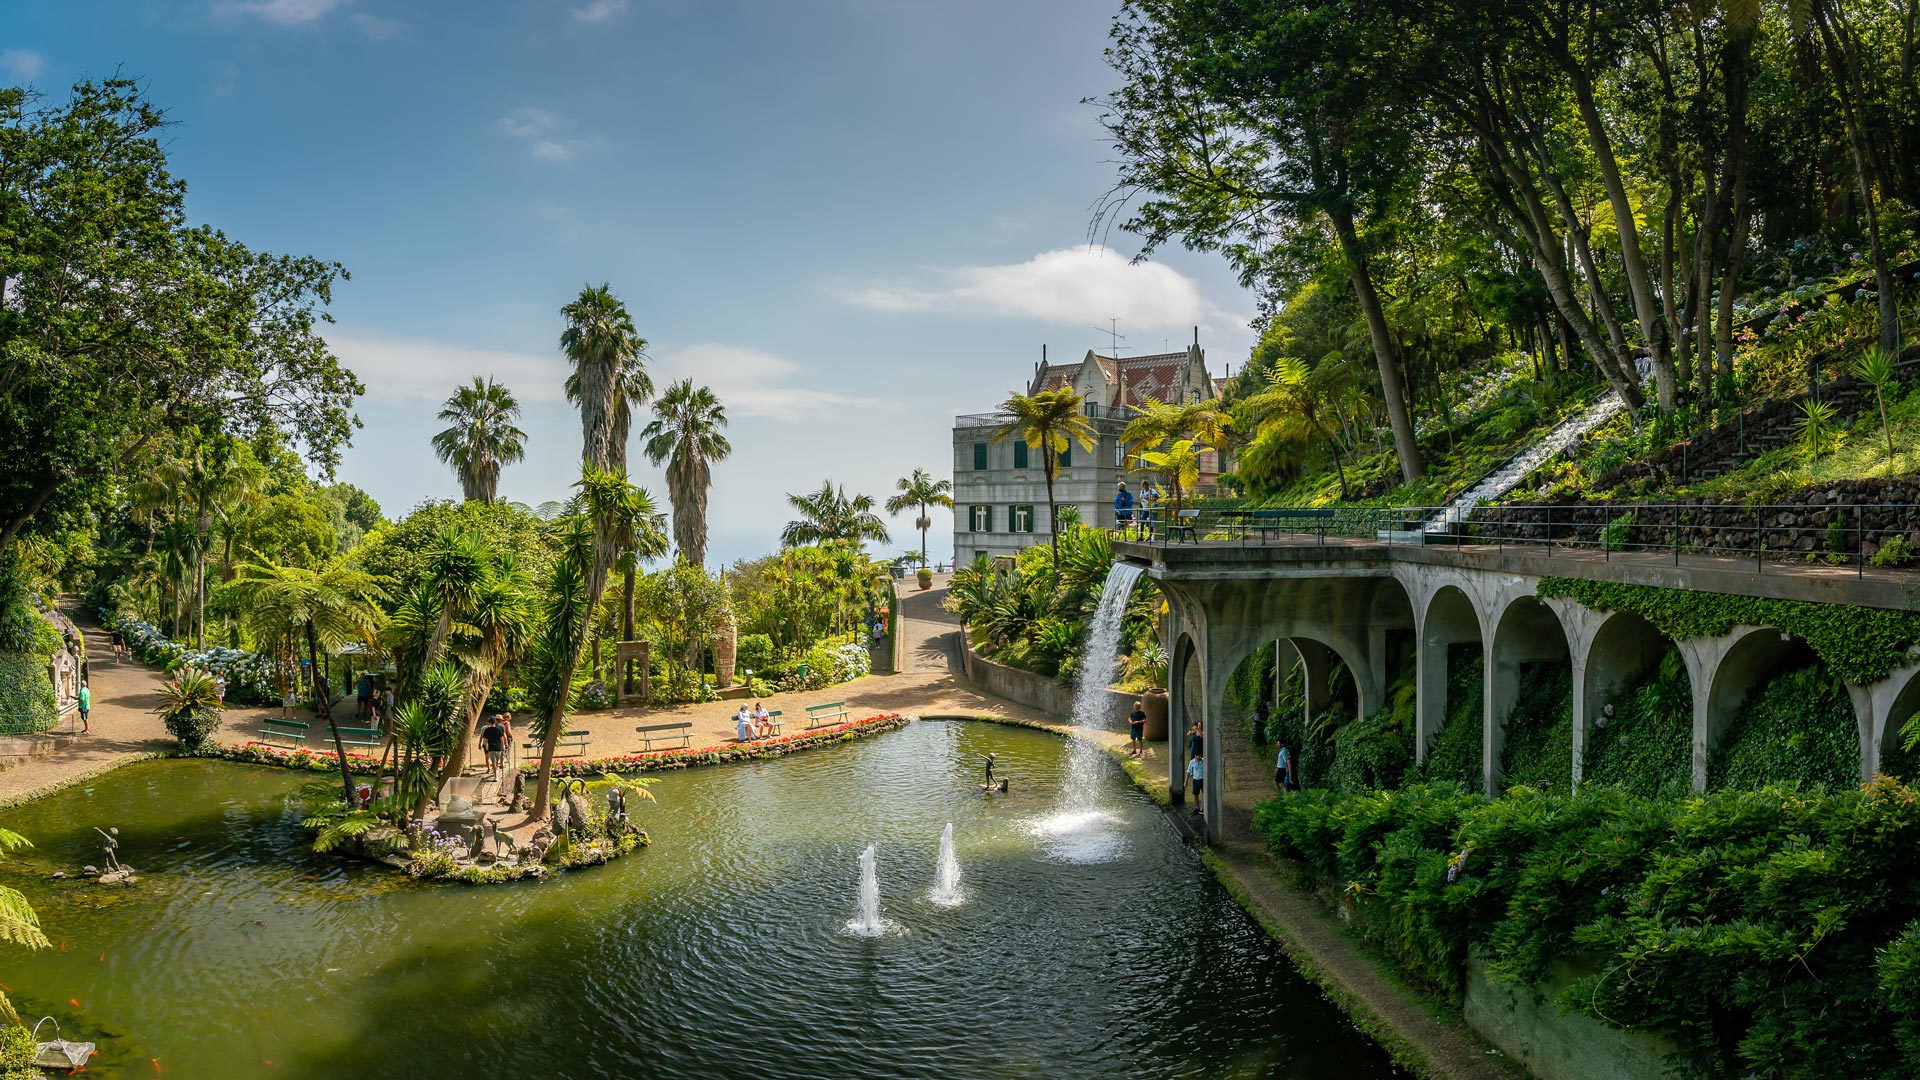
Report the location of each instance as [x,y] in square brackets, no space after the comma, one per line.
[1833,534]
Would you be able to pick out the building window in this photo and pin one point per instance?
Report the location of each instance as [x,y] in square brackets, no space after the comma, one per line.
[1119,454]
[1020,518]
[981,518]
[1019,455]
[979,456]
[979,553]
[1066,458]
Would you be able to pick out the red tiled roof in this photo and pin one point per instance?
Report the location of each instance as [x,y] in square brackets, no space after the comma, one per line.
[1143,377]
[1058,376]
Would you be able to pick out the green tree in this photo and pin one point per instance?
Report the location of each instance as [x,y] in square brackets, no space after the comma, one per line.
[121,321]
[831,514]
[1874,368]
[1294,408]
[325,608]
[686,434]
[1178,464]
[481,437]
[639,535]
[920,492]
[553,657]
[1050,422]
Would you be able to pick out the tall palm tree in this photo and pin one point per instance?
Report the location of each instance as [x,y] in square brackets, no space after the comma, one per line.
[482,436]
[685,433]
[327,607]
[1049,421]
[830,514]
[923,491]
[639,531]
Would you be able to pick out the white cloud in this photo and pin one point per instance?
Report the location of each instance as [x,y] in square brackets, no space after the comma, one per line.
[1078,284]
[421,370]
[598,11]
[23,64]
[283,12]
[749,382]
[544,133]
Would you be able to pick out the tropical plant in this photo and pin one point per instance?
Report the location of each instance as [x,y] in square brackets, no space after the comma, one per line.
[1874,368]
[831,514]
[639,534]
[686,434]
[482,436]
[19,925]
[1815,431]
[1295,408]
[426,730]
[190,707]
[923,492]
[326,608]
[1159,422]
[560,633]
[1178,464]
[1050,422]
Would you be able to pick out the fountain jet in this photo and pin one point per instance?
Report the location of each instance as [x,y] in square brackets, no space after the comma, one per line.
[946,884]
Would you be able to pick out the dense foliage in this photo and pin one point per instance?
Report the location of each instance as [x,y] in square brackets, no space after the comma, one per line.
[1459,748]
[1766,934]
[1646,746]
[1796,730]
[1539,736]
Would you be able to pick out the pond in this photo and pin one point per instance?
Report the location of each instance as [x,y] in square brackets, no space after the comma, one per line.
[720,952]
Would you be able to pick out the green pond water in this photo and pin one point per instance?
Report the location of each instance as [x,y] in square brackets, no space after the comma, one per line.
[1091,944]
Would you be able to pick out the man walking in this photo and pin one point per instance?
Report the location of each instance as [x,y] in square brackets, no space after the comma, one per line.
[1137,728]
[494,740]
[85,700]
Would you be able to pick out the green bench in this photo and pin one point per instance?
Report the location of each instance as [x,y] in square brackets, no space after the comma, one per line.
[773,717]
[295,730]
[1283,520]
[824,715]
[650,733]
[571,744]
[361,736]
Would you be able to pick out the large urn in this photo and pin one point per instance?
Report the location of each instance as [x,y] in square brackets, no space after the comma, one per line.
[726,641]
[1156,706]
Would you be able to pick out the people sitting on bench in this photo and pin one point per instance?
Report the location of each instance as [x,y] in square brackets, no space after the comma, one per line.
[744,729]
[762,721]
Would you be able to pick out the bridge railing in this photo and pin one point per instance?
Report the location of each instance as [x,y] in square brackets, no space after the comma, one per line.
[1854,535]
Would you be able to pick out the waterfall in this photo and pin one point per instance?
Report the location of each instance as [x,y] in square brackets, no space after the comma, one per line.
[1092,706]
[868,922]
[1080,830]
[946,883]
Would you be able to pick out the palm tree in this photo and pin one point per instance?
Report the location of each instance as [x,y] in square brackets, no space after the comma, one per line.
[1158,422]
[328,607]
[923,491]
[561,632]
[457,566]
[639,532]
[1049,421]
[829,514]
[496,620]
[607,356]
[1179,464]
[482,437]
[685,433]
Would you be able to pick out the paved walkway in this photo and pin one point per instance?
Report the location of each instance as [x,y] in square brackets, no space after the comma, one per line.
[125,695]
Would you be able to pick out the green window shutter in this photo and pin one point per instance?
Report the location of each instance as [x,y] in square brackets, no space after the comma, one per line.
[980,456]
[1066,457]
[1019,455]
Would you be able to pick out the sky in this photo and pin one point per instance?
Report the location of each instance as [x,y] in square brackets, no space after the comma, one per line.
[852,219]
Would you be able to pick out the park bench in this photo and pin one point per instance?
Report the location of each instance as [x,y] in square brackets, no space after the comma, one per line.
[361,736]
[295,730]
[773,719]
[1282,520]
[573,743]
[651,733]
[1182,526]
[832,712]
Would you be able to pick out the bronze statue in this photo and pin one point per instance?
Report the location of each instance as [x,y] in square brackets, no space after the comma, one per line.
[577,809]
[109,846]
[617,823]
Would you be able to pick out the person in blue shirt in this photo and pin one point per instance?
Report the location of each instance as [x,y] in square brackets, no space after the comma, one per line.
[1123,508]
[1282,768]
[1197,773]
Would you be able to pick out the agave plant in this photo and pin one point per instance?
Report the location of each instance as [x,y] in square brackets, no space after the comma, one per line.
[190,707]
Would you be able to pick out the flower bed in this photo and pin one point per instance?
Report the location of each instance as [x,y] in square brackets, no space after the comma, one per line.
[303,758]
[725,752]
[249,675]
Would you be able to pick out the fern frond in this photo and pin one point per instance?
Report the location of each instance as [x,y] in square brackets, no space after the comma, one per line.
[19,925]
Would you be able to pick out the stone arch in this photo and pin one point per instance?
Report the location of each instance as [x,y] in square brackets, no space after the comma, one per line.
[1621,650]
[1733,667]
[1895,701]
[1447,617]
[1186,702]
[1526,631]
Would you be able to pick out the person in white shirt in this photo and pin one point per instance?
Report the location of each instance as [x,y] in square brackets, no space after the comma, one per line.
[1197,774]
[743,725]
[762,720]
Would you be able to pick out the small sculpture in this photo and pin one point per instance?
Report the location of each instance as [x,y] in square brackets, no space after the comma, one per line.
[617,823]
[536,848]
[109,845]
[557,817]
[577,810]
[478,845]
[519,801]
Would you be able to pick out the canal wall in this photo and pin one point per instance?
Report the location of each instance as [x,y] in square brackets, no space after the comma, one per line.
[1034,690]
[1527,1026]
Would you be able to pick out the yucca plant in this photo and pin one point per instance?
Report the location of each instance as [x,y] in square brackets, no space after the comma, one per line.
[1815,432]
[1875,368]
[190,707]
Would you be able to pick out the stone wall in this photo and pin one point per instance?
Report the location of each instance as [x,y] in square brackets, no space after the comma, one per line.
[1034,690]
[1798,525]
[1529,1027]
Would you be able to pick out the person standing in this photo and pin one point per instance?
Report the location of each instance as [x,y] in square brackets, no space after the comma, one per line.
[363,696]
[1149,496]
[1283,768]
[1137,728]
[1196,740]
[1197,776]
[506,728]
[1123,509]
[84,699]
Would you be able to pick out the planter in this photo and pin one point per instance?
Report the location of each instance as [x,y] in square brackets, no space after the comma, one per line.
[1156,726]
[726,640]
[924,579]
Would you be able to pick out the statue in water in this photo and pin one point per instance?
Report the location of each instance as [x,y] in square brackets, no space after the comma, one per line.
[110,847]
[577,810]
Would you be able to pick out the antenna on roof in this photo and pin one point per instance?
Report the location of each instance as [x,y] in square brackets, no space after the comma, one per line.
[1114,336]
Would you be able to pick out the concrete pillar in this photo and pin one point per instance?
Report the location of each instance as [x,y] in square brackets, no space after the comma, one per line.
[1499,691]
[1582,709]
[1883,709]
[1183,658]
[1215,782]
[1316,660]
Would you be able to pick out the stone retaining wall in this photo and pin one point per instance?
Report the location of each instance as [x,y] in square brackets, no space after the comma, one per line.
[1034,690]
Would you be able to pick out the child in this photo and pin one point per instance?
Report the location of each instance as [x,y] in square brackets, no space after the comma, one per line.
[1197,774]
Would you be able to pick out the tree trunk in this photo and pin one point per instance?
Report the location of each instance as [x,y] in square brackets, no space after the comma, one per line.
[626,623]
[320,704]
[1053,528]
[1392,387]
[1865,168]
[477,692]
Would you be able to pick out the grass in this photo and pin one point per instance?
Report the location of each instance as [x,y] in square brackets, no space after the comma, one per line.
[1860,453]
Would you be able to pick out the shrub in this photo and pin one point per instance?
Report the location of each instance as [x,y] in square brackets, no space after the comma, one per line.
[1894,551]
[924,577]
[754,652]
[1377,751]
[1539,746]
[1459,749]
[1797,729]
[190,707]
[1646,746]
[17,1051]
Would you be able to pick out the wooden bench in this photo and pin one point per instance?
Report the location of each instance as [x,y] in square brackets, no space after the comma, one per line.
[650,733]
[1183,525]
[773,719]
[286,729]
[832,712]
[573,743]
[361,736]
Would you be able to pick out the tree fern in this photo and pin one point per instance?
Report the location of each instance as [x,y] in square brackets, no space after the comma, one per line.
[18,923]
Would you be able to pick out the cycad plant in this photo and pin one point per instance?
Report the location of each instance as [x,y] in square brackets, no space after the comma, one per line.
[190,707]
[1815,431]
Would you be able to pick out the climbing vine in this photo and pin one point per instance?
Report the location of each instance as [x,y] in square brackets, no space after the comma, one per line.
[1860,644]
[1458,750]
[1539,746]
[1799,728]
[1646,747]
[1376,751]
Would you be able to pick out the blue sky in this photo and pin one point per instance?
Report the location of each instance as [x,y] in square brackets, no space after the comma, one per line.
[851,218]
